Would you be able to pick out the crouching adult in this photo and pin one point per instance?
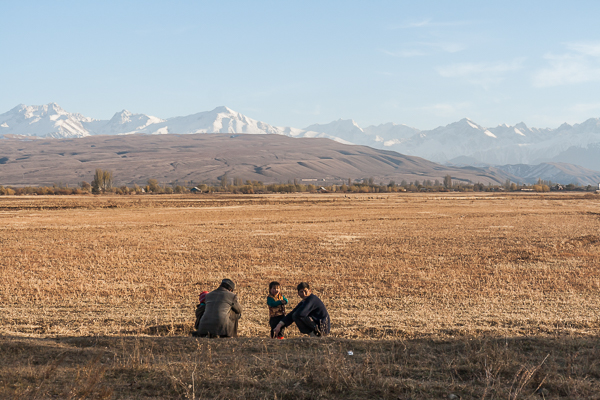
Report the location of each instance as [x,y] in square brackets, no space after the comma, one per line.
[222,312]
[310,315]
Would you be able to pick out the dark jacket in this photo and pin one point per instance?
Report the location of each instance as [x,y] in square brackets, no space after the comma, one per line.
[199,313]
[313,308]
[221,314]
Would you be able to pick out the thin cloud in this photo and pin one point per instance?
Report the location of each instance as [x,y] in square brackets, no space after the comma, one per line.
[425,48]
[581,64]
[419,24]
[447,47]
[404,53]
[590,49]
[480,73]
[430,23]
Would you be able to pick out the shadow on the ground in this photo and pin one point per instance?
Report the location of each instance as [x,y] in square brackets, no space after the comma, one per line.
[185,367]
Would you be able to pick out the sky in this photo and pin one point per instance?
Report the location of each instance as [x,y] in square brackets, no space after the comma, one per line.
[296,63]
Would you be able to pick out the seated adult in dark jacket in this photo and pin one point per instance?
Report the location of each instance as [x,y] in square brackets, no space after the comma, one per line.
[310,315]
[222,312]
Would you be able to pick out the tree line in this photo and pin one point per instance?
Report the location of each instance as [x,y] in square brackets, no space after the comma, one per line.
[103,182]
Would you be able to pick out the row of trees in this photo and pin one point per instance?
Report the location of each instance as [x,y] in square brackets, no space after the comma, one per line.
[103,182]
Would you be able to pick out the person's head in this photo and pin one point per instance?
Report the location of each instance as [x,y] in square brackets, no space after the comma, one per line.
[228,284]
[202,297]
[274,288]
[303,290]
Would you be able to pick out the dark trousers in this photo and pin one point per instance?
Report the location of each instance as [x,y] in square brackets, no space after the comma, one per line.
[273,323]
[307,325]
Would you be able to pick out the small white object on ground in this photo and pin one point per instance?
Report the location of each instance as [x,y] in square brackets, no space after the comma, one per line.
[350,353]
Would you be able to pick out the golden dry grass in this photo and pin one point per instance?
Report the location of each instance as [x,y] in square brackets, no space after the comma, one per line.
[432,273]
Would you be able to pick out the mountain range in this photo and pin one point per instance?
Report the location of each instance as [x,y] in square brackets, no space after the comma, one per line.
[201,158]
[462,143]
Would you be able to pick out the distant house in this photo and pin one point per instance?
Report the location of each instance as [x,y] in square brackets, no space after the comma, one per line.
[322,190]
[195,190]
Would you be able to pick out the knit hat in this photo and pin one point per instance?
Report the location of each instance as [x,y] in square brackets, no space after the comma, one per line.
[228,283]
[202,296]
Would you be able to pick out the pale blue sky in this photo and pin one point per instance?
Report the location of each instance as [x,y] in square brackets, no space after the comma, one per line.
[287,63]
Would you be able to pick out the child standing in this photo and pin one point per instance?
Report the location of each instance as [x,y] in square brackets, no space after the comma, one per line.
[276,302]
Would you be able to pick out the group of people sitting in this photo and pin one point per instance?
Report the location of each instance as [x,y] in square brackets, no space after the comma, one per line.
[219,312]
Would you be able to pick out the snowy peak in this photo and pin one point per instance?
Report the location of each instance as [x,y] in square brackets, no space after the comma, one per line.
[127,117]
[51,120]
[463,129]
[470,123]
[590,125]
[53,108]
[521,126]
[123,116]
[342,131]
[223,110]
[219,120]
[48,120]
[465,139]
[518,132]
[336,127]
[564,127]
[123,123]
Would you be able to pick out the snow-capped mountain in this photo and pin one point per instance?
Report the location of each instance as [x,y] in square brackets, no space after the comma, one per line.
[52,121]
[464,142]
[442,144]
[390,134]
[467,143]
[49,120]
[219,120]
[122,123]
[344,130]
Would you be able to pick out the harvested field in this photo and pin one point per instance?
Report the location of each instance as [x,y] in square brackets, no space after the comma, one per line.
[435,294]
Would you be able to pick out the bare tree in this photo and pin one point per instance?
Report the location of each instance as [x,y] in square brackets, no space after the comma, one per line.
[448,182]
[153,186]
[224,180]
[103,181]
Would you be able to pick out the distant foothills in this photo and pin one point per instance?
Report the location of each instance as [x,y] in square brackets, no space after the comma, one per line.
[568,154]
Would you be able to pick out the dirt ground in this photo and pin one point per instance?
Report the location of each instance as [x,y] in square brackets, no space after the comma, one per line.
[469,295]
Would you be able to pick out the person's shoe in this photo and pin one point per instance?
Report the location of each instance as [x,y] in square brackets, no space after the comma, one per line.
[280,337]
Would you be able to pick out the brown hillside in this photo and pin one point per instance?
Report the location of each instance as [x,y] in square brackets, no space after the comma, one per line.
[205,158]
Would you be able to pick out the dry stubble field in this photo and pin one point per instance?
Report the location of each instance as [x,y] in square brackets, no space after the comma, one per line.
[476,296]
